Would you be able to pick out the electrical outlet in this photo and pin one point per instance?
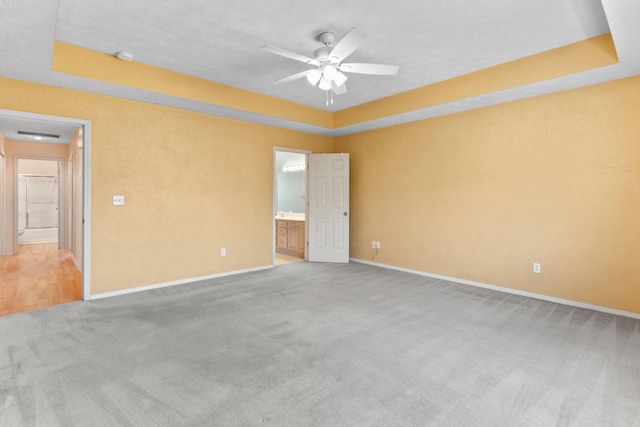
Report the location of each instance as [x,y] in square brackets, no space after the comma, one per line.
[223,252]
[118,200]
[536,268]
[377,245]
[373,244]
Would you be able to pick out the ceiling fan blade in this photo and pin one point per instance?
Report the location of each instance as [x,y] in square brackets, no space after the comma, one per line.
[292,77]
[290,55]
[347,45]
[379,69]
[339,90]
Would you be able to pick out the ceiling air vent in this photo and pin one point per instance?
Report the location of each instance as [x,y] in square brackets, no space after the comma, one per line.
[38,135]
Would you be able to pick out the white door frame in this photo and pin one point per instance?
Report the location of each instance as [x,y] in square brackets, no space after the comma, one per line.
[62,244]
[3,180]
[69,205]
[274,209]
[86,186]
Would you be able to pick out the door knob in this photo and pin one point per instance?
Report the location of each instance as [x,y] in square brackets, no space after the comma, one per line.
[345,214]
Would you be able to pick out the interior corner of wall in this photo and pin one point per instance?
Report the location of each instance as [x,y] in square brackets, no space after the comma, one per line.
[2,153]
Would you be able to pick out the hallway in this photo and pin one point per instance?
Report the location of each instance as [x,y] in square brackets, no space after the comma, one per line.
[38,276]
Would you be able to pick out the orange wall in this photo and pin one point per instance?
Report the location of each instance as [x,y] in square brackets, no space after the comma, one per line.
[84,62]
[193,183]
[481,195]
[478,195]
[573,58]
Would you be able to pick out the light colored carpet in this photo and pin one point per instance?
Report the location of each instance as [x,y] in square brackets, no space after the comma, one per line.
[319,345]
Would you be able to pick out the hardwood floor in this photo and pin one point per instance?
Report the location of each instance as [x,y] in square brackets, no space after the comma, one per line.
[38,276]
[282,259]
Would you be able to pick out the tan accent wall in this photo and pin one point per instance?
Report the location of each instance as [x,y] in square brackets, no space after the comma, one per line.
[585,55]
[482,195]
[573,58]
[84,62]
[16,148]
[193,183]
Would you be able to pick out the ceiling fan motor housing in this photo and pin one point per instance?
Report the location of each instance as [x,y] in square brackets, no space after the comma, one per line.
[322,54]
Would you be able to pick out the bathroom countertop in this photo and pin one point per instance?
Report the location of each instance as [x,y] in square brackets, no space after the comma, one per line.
[291,216]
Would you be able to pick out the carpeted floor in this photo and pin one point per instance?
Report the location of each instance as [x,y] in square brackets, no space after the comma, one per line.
[310,344]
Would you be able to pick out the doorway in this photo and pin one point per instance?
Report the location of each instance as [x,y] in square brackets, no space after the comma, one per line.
[28,202]
[289,205]
[321,232]
[37,201]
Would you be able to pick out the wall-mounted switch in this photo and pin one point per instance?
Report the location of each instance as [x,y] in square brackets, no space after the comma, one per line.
[223,252]
[536,268]
[118,200]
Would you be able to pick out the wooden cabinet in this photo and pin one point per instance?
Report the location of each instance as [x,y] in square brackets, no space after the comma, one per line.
[282,234]
[290,237]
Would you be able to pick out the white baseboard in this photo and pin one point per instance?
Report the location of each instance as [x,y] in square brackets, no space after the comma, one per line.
[543,297]
[75,261]
[174,283]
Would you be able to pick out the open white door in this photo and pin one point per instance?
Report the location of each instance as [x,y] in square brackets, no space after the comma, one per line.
[328,208]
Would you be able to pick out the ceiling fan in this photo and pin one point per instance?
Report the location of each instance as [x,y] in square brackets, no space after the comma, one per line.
[329,69]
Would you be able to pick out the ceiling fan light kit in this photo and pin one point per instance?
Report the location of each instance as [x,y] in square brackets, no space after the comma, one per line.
[324,84]
[313,76]
[339,79]
[329,72]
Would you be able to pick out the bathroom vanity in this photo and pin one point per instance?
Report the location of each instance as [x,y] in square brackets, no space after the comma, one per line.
[290,237]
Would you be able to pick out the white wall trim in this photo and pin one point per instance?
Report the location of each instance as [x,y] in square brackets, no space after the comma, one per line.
[86,209]
[543,297]
[75,261]
[69,177]
[175,283]
[3,179]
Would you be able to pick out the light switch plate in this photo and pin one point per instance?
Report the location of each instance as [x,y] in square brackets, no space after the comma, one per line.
[118,200]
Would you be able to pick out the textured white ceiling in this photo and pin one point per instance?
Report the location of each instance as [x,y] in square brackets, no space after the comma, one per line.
[429,40]
[220,40]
